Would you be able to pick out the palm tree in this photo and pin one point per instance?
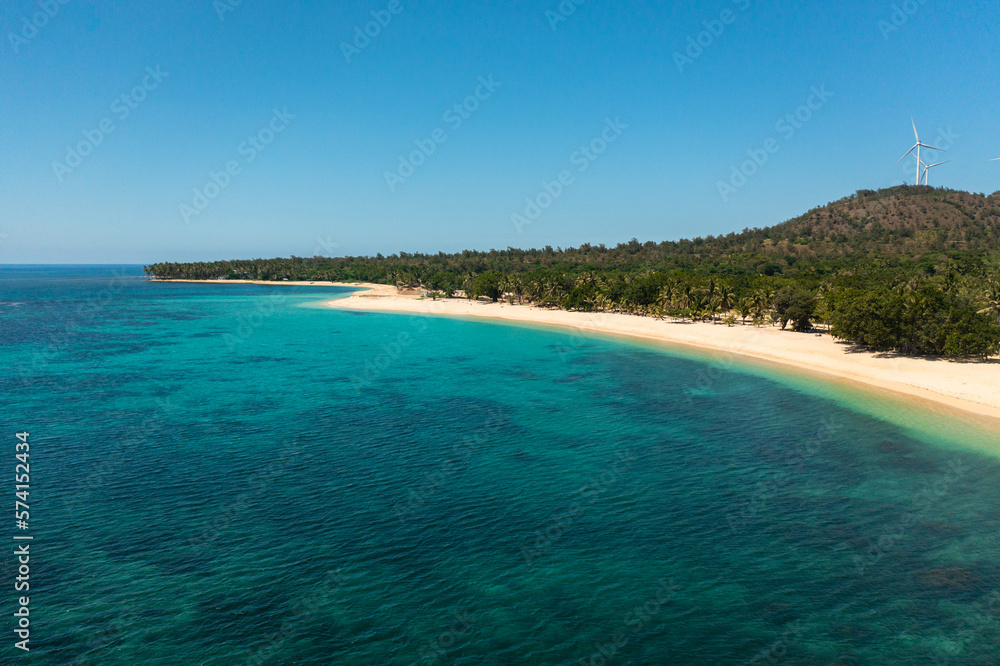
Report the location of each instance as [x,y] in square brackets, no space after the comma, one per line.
[697,305]
[712,287]
[536,288]
[687,295]
[763,299]
[517,286]
[666,299]
[554,289]
[714,306]
[992,299]
[745,308]
[467,283]
[671,288]
[726,298]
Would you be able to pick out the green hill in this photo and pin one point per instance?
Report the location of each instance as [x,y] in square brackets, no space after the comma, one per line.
[900,220]
[897,225]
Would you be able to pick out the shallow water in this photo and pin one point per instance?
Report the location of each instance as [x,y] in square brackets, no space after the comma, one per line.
[221,475]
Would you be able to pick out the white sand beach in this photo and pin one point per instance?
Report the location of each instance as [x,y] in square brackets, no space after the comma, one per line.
[971,386]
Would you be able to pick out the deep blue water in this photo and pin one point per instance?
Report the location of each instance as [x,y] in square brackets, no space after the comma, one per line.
[227,474]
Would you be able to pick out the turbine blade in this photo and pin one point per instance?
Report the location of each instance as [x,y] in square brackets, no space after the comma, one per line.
[937,164]
[907,153]
[933,148]
[914,129]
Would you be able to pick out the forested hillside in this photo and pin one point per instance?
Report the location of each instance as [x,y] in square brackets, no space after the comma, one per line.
[912,269]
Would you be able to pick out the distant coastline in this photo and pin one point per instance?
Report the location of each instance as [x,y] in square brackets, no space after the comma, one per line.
[287,283]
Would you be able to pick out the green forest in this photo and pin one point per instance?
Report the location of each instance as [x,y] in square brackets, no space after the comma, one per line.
[909,269]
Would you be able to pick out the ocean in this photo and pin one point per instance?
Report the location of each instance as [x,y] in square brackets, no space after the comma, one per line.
[233,474]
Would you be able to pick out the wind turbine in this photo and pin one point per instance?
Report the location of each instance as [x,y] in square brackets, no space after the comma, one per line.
[917,146]
[928,167]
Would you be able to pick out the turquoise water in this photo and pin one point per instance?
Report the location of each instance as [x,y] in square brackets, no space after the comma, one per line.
[222,474]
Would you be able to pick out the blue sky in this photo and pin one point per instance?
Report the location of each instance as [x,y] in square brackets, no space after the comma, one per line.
[201,78]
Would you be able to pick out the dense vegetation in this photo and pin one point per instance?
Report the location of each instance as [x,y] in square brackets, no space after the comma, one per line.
[910,269]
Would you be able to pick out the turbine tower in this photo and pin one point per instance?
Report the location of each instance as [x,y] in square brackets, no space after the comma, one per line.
[917,146]
[928,167]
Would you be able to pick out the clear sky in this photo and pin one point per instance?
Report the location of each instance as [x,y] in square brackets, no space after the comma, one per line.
[663,120]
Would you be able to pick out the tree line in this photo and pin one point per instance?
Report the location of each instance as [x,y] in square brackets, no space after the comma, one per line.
[943,302]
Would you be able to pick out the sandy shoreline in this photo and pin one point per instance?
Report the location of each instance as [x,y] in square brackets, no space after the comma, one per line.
[968,386]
